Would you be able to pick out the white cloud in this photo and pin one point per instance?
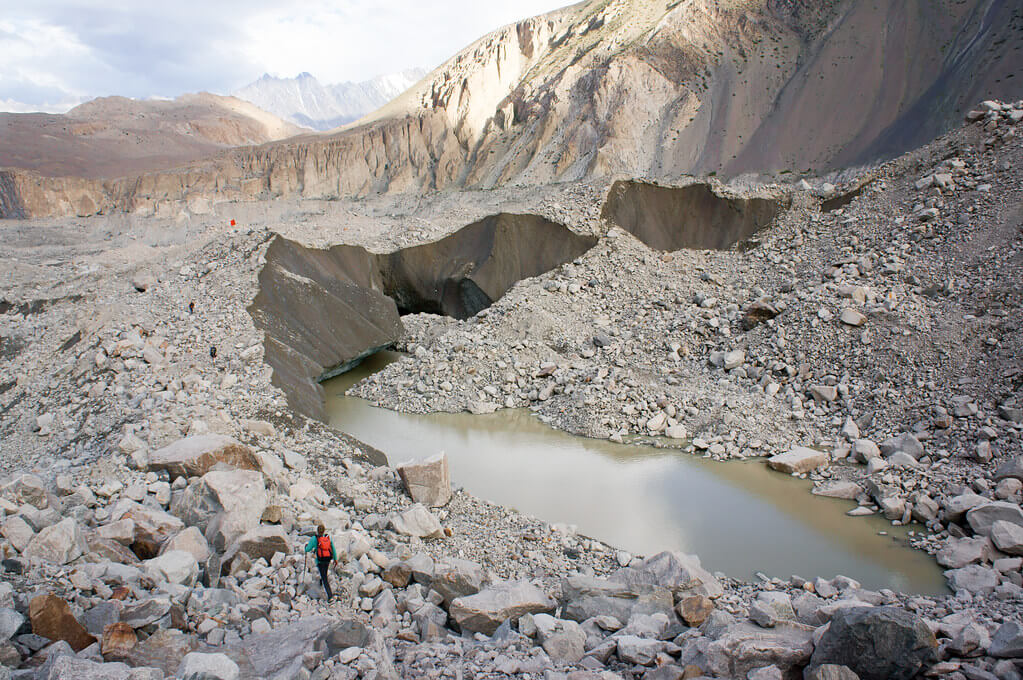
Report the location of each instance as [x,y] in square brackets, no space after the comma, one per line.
[56,52]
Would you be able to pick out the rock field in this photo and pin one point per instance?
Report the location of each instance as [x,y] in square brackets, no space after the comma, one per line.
[155,494]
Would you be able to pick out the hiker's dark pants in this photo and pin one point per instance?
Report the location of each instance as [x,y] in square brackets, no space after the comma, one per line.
[324,566]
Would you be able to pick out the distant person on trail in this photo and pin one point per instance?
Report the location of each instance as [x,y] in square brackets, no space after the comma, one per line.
[191,307]
[325,553]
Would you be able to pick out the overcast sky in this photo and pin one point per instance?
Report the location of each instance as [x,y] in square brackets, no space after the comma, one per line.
[57,53]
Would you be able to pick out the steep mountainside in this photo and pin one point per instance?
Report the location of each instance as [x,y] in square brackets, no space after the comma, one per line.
[115,136]
[651,89]
[305,101]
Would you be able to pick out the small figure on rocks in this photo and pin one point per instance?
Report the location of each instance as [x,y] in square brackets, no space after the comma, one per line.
[213,352]
[191,307]
[325,554]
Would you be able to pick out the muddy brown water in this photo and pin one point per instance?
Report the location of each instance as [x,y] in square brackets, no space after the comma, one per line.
[739,517]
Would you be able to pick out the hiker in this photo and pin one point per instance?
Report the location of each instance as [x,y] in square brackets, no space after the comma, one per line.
[325,552]
[213,352]
[191,307]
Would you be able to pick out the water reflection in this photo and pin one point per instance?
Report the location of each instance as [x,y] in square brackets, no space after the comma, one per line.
[739,517]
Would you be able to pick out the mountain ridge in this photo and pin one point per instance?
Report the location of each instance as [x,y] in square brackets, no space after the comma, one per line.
[646,89]
[304,101]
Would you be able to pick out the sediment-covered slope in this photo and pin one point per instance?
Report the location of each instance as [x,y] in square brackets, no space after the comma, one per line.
[651,89]
[116,136]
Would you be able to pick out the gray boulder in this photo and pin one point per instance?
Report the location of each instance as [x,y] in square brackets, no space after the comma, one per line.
[224,504]
[10,622]
[280,653]
[744,647]
[427,481]
[455,578]
[957,506]
[417,521]
[68,667]
[680,573]
[152,526]
[797,460]
[983,516]
[176,567]
[1008,537]
[877,643]
[18,532]
[639,651]
[200,666]
[1010,468]
[196,455]
[492,606]
[973,578]
[770,608]
[61,543]
[959,552]
[564,641]
[585,597]
[1007,642]
[261,541]
[904,442]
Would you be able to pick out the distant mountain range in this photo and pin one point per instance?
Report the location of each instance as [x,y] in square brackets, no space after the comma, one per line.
[305,101]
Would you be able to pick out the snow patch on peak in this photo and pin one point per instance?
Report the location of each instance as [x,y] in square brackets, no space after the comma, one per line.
[305,101]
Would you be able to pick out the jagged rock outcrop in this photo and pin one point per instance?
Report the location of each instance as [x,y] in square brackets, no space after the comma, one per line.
[648,89]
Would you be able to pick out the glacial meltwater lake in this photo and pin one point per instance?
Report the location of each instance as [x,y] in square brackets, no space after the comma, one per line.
[740,517]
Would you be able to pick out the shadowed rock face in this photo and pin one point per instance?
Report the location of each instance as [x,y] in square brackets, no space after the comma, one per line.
[671,218]
[323,311]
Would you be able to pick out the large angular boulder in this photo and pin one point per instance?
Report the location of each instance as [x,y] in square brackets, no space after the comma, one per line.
[742,648]
[27,489]
[427,481]
[263,541]
[770,608]
[10,622]
[417,521]
[959,552]
[73,668]
[224,504]
[18,532]
[52,618]
[983,516]
[145,612]
[199,666]
[680,573]
[957,506]
[1008,537]
[877,643]
[492,606]
[1007,642]
[191,541]
[281,652]
[906,443]
[798,460]
[61,543]
[196,455]
[176,567]
[118,640]
[585,597]
[1011,468]
[152,526]
[973,578]
[164,649]
[454,578]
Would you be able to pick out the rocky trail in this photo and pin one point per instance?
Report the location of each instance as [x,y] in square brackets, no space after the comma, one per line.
[156,497]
